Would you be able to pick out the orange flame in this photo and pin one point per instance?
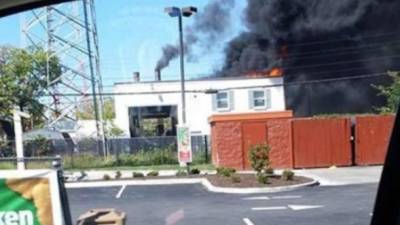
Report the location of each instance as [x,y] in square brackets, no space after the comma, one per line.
[275,72]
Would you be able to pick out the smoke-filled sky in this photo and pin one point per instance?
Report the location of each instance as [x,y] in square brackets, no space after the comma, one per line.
[311,40]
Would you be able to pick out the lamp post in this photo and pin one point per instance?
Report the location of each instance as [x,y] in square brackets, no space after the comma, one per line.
[177,12]
[184,144]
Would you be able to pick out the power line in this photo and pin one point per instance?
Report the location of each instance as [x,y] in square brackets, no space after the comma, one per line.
[343,39]
[340,51]
[320,81]
[341,62]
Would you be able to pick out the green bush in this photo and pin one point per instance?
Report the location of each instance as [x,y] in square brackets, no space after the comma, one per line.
[38,146]
[181,173]
[262,178]
[199,157]
[106,177]
[287,175]
[137,174]
[259,157]
[225,171]
[151,157]
[195,171]
[269,171]
[235,179]
[152,173]
[87,161]
[118,175]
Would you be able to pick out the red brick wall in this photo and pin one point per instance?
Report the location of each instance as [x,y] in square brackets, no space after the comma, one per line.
[301,143]
[321,142]
[280,141]
[372,137]
[227,144]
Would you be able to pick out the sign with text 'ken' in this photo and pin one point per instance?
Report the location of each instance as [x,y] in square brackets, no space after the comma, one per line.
[30,197]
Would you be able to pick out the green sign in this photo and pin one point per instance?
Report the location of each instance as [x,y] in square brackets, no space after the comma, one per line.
[27,200]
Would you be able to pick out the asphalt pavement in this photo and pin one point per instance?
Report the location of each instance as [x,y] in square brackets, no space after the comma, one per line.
[194,205]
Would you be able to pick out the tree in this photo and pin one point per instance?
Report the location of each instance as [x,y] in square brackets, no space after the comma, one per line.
[391,93]
[25,74]
[86,111]
[112,130]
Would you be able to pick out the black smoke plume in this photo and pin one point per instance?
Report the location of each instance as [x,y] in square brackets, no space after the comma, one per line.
[209,26]
[320,39]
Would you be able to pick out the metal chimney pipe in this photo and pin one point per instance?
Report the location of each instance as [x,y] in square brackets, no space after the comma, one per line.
[157,75]
[136,76]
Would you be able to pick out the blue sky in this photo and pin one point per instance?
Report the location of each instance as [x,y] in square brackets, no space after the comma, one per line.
[131,34]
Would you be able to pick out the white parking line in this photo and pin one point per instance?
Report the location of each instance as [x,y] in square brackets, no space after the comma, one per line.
[269,208]
[287,197]
[256,198]
[120,191]
[247,221]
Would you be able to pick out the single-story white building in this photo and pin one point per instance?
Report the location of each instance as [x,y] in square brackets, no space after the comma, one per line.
[153,108]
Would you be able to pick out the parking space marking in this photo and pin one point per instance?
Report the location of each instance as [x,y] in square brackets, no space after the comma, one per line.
[269,208]
[264,197]
[292,207]
[303,207]
[247,221]
[257,198]
[287,197]
[120,191]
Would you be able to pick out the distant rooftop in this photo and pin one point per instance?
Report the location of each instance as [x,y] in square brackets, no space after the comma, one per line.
[201,79]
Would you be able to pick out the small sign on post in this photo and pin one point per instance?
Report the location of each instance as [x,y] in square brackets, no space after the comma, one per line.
[184,145]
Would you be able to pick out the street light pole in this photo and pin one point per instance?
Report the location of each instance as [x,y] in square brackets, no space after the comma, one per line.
[182,56]
[184,148]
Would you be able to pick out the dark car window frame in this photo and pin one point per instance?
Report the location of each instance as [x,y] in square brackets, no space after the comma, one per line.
[387,204]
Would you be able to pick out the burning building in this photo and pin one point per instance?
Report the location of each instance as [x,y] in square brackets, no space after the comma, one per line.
[347,45]
[329,41]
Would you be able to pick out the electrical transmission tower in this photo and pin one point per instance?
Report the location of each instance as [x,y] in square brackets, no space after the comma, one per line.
[69,32]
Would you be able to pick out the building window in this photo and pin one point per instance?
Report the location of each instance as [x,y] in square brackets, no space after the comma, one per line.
[222,99]
[260,99]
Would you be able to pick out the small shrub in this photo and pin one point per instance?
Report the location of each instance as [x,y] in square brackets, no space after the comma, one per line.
[106,177]
[262,178]
[118,175]
[181,173]
[137,174]
[259,157]
[194,171]
[269,171]
[225,171]
[235,179]
[152,174]
[287,175]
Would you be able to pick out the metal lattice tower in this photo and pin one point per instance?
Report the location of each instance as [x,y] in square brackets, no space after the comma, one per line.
[68,31]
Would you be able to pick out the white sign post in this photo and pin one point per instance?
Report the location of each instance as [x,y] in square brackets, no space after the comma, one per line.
[184,145]
[18,138]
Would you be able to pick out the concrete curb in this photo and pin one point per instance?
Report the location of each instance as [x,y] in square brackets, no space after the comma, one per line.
[227,190]
[207,184]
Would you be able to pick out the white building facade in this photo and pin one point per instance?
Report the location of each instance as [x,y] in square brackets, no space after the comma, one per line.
[203,98]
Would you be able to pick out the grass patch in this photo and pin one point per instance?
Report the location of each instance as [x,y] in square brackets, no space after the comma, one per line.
[155,159]
[47,165]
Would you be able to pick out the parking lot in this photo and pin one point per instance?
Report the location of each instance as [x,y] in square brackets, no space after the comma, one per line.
[192,204]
